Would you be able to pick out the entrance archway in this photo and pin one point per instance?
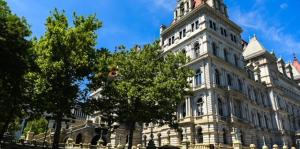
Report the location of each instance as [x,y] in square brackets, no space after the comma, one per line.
[78,139]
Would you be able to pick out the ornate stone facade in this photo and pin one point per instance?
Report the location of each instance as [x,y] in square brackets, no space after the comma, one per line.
[241,91]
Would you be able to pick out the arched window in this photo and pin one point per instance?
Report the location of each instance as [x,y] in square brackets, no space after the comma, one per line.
[220,107]
[214,48]
[197,49]
[225,136]
[217,75]
[200,107]
[199,135]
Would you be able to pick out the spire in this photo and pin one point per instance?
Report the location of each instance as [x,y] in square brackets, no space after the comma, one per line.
[295,57]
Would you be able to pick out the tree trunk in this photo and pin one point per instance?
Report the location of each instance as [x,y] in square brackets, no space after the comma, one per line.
[131,130]
[58,122]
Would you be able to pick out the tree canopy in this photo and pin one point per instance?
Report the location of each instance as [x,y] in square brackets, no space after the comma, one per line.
[139,86]
[64,57]
[14,63]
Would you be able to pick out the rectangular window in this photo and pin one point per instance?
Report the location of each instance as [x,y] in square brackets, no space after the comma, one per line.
[198,78]
[225,33]
[184,33]
[222,31]
[170,42]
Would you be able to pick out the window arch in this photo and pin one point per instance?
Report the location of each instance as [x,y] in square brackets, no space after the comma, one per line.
[197,49]
[217,76]
[199,135]
[200,104]
[220,107]
[214,48]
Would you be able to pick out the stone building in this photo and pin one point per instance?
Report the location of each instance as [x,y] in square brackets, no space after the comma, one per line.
[241,91]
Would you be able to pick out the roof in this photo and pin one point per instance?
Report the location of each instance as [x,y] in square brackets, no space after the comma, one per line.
[296,68]
[254,48]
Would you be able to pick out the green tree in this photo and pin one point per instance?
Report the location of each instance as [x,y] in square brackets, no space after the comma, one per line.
[14,55]
[64,56]
[37,126]
[139,86]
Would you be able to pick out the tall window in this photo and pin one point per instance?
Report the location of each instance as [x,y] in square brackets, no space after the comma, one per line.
[200,107]
[220,107]
[197,49]
[214,48]
[217,75]
[198,77]
[259,120]
[236,60]
[193,27]
[197,24]
[183,110]
[229,80]
[184,33]
[225,55]
[181,9]
[240,85]
[199,135]
[225,136]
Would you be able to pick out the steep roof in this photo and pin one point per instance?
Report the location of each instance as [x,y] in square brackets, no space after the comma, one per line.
[296,68]
[254,48]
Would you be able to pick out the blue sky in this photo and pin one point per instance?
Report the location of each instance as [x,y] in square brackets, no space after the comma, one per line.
[128,22]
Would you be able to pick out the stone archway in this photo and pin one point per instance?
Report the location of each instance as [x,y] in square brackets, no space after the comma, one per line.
[78,139]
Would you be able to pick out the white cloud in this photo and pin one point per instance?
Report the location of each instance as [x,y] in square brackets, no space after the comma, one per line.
[284,6]
[158,5]
[257,21]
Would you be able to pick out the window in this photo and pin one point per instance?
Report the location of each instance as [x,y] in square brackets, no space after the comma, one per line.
[220,107]
[200,107]
[180,35]
[170,42]
[225,55]
[184,33]
[266,121]
[236,60]
[217,75]
[212,25]
[193,27]
[229,80]
[173,39]
[225,136]
[214,48]
[197,49]
[183,110]
[259,120]
[198,77]
[182,9]
[199,135]
[197,24]
[223,31]
[240,85]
